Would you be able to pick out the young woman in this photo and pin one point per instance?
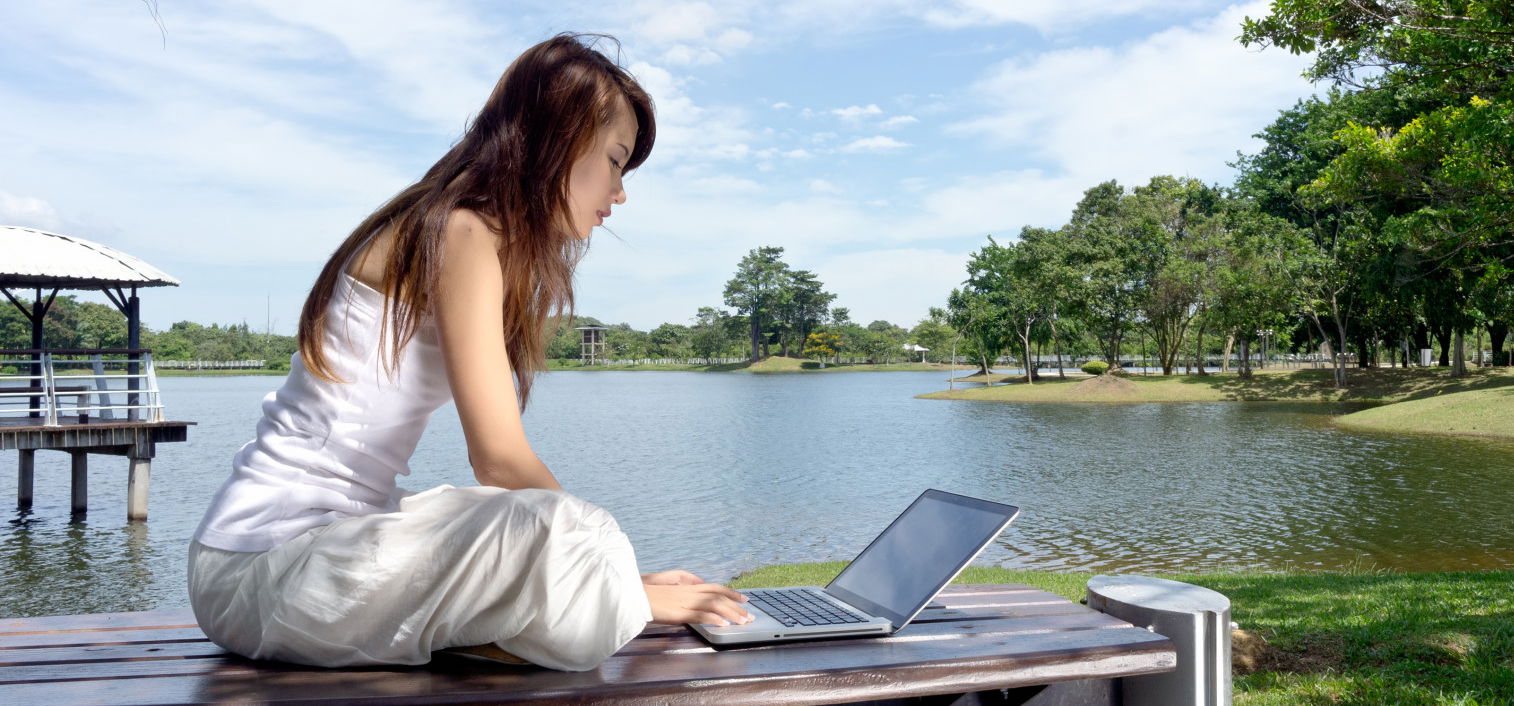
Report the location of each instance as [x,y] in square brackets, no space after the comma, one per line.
[310,552]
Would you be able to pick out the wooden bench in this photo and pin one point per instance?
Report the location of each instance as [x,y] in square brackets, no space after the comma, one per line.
[996,643]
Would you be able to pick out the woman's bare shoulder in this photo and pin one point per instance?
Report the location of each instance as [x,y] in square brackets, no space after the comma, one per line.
[468,223]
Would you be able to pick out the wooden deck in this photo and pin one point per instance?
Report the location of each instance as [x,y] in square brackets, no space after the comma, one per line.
[977,638]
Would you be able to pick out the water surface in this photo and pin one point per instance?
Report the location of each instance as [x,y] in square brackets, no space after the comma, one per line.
[719,473]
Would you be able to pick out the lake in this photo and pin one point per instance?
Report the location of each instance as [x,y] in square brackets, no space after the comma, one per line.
[723,472]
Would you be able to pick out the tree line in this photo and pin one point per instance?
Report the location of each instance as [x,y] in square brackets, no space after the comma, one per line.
[1375,218]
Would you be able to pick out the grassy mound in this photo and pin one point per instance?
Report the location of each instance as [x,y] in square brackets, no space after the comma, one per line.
[1103,387]
[1488,412]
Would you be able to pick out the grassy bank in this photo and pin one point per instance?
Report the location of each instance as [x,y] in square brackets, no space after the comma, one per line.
[1487,412]
[1415,400]
[1357,638]
[771,364]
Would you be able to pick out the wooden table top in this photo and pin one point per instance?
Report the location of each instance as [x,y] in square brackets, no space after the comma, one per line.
[979,637]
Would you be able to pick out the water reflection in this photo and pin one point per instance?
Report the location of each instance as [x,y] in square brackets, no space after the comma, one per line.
[52,567]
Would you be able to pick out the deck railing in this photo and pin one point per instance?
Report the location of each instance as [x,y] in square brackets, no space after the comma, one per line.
[87,377]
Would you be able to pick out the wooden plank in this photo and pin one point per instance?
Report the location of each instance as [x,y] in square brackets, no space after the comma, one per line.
[97,622]
[112,637]
[119,652]
[687,654]
[814,675]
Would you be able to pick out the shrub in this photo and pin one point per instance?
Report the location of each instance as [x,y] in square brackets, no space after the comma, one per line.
[1095,367]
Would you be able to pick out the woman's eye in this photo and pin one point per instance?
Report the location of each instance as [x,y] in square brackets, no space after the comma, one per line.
[615,162]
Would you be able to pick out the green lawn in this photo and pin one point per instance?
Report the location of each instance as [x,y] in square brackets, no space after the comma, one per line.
[1486,412]
[1330,638]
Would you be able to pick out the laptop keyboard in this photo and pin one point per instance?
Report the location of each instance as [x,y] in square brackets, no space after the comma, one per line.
[801,607]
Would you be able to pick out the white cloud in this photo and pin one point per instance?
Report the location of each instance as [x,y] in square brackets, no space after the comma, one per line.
[685,55]
[29,212]
[821,186]
[1044,15]
[1181,101]
[780,105]
[687,131]
[855,112]
[677,22]
[895,285]
[876,143]
[898,121]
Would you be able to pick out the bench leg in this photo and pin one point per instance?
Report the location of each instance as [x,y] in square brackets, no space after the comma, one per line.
[24,478]
[80,467]
[136,489]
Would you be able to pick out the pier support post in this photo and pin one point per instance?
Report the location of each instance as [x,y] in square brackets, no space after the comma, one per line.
[24,478]
[136,489]
[80,466]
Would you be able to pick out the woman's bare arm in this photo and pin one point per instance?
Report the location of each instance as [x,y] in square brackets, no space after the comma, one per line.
[468,306]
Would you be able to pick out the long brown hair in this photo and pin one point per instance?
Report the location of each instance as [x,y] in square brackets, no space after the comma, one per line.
[511,166]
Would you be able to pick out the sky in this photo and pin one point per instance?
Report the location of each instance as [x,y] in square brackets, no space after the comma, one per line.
[879,142]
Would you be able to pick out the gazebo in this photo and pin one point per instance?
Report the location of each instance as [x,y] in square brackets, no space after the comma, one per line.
[47,263]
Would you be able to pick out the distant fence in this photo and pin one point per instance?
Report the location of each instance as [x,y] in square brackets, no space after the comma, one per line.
[211,364]
[661,361]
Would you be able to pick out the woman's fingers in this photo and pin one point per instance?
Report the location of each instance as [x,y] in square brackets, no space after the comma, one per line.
[708,603]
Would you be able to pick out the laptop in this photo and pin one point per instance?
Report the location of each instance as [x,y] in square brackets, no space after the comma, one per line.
[887,585]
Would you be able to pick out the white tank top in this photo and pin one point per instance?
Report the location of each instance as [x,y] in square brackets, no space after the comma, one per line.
[326,450]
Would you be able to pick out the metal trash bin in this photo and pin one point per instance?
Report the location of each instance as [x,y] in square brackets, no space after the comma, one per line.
[1196,619]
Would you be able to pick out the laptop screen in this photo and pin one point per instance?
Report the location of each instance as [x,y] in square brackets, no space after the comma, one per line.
[922,551]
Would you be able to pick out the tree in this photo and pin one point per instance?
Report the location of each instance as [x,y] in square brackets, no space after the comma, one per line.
[670,341]
[822,345]
[709,335]
[757,289]
[974,316]
[1183,220]
[1007,281]
[802,306]
[1332,246]
[1110,246]
[1441,178]
[935,334]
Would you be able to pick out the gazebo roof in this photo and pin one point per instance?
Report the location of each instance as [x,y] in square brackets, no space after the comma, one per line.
[37,258]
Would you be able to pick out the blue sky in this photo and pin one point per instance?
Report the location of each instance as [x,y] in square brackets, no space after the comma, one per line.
[878,141]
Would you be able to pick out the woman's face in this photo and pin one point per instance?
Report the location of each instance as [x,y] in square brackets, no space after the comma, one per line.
[594,179]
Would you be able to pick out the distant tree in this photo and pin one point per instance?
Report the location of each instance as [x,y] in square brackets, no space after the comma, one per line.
[821,345]
[624,342]
[670,341]
[934,333]
[803,306]
[1109,247]
[710,335]
[757,290]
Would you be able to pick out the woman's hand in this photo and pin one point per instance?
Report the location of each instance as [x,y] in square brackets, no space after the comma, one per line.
[671,578]
[705,603]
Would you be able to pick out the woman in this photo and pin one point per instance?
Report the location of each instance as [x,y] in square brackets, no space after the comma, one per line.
[310,552]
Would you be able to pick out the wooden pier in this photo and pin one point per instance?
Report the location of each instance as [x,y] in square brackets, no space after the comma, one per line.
[136,441]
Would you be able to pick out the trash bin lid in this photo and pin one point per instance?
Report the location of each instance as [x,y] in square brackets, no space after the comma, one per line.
[1158,594]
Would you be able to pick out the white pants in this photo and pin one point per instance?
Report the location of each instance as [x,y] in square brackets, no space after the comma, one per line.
[542,574]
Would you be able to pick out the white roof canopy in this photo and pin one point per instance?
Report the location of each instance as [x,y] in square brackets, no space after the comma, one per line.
[37,258]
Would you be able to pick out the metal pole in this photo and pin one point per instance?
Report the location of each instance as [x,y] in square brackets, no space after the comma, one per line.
[133,341]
